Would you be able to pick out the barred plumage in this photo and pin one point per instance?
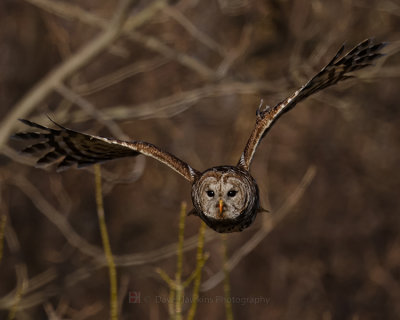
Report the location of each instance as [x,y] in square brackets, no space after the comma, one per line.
[67,148]
[225,197]
[336,70]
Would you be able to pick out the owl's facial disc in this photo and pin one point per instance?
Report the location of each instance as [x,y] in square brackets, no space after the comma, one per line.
[224,196]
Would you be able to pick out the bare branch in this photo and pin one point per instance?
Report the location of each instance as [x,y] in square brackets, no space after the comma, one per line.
[193,30]
[56,217]
[119,75]
[269,223]
[91,110]
[151,43]
[68,67]
[173,104]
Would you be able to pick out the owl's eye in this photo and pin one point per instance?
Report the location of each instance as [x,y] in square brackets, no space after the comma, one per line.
[232,193]
[210,193]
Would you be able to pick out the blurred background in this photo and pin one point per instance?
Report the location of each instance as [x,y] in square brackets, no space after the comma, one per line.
[188,77]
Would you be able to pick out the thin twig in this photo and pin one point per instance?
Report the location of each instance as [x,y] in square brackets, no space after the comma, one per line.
[193,30]
[151,43]
[227,287]
[67,68]
[91,110]
[166,278]
[154,44]
[35,283]
[175,103]
[119,75]
[200,259]
[3,222]
[22,284]
[106,245]
[179,264]
[39,282]
[269,223]
[82,273]
[21,273]
[54,216]
[233,55]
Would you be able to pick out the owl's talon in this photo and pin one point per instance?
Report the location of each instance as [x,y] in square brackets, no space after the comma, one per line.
[267,107]
[258,112]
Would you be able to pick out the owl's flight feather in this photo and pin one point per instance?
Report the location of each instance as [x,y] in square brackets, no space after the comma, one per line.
[336,70]
[226,198]
[67,148]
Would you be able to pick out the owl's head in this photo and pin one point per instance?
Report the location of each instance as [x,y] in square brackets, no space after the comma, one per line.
[226,198]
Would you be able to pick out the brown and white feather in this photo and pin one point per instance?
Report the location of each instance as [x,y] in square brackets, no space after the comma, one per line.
[338,69]
[67,148]
[226,198]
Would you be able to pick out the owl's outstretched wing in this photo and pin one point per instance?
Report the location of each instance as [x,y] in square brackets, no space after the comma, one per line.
[336,70]
[67,147]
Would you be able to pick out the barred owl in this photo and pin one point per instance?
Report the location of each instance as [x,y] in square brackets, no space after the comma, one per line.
[226,198]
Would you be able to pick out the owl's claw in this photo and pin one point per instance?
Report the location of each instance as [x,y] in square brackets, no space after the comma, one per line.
[259,109]
[258,112]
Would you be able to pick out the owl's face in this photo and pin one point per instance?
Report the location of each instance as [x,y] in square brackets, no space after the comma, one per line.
[226,198]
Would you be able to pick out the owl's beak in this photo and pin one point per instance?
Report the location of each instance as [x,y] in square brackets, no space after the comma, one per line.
[221,206]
